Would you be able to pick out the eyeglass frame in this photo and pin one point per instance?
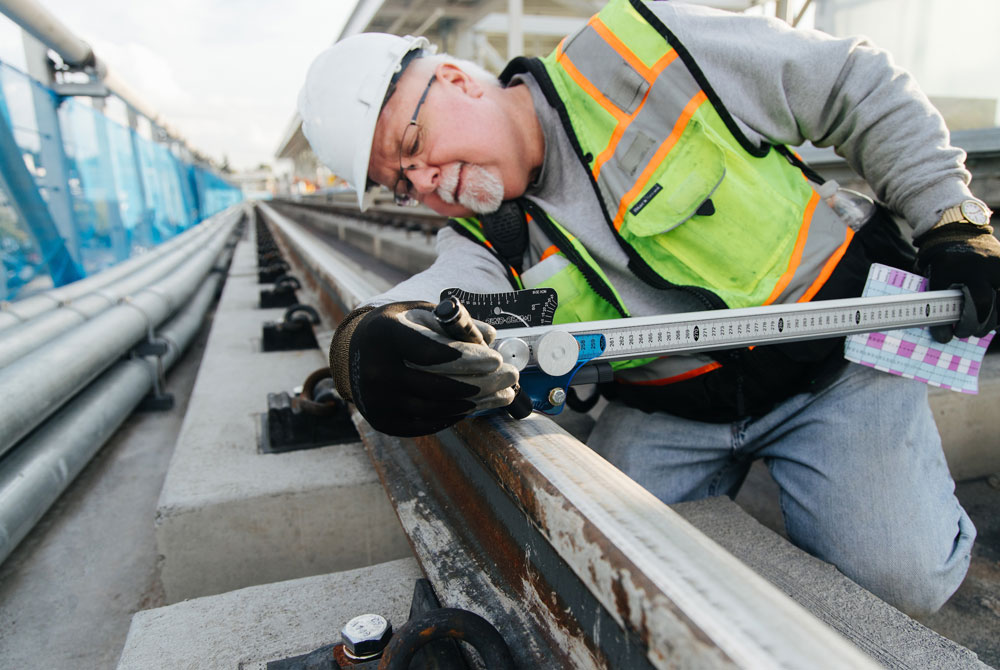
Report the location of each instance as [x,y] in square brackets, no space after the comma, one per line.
[403,187]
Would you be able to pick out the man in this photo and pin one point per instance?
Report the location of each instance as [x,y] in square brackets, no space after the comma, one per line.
[642,170]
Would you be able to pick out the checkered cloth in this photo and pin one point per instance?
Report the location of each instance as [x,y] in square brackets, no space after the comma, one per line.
[912,352]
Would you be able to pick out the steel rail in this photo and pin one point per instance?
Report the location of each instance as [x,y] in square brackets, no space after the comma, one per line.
[24,338]
[392,244]
[34,387]
[342,283]
[578,566]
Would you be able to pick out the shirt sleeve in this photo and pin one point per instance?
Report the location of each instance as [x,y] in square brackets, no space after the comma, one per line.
[460,263]
[788,86]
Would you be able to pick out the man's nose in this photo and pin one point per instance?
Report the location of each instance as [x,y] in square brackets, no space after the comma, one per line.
[424,178]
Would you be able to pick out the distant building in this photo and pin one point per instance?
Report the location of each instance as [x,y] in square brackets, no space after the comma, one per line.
[259,184]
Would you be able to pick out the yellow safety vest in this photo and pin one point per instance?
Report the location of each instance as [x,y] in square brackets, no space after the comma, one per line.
[694,204]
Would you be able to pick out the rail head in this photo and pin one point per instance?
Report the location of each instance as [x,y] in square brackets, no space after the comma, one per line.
[345,282]
[601,573]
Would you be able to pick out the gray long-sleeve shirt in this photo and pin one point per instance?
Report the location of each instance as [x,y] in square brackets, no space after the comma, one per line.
[781,85]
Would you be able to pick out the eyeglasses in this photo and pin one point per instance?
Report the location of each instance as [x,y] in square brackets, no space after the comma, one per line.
[409,147]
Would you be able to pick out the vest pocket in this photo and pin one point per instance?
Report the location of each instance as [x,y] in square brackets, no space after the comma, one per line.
[689,175]
[740,245]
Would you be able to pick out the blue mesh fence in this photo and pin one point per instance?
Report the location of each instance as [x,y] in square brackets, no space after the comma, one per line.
[127,193]
[20,257]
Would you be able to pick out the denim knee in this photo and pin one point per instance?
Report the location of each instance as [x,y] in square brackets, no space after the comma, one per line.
[916,580]
[919,593]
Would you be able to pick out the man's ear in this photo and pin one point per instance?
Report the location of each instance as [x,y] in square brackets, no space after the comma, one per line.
[453,75]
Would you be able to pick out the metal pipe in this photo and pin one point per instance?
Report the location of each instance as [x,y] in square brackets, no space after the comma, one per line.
[34,475]
[802,13]
[41,23]
[18,312]
[515,33]
[36,386]
[429,21]
[49,30]
[17,342]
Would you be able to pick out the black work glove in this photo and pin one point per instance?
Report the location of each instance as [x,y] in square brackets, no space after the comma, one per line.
[965,257]
[407,377]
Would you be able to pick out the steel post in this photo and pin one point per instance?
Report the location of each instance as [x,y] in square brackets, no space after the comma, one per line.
[53,155]
[31,208]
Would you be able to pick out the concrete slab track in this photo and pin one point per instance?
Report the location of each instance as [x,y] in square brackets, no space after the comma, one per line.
[243,629]
[230,517]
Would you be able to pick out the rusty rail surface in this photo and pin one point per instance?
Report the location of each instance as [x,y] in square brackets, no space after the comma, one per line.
[574,563]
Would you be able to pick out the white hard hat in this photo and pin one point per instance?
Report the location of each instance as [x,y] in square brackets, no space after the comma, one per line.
[342,97]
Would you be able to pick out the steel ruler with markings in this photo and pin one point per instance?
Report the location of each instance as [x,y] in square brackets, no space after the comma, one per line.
[553,357]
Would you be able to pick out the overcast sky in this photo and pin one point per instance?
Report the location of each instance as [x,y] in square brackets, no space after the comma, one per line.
[224,74]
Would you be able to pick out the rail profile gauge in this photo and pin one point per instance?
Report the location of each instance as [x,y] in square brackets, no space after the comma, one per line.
[552,357]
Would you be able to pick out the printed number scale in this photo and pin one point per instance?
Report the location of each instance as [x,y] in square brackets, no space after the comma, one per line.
[556,349]
[552,358]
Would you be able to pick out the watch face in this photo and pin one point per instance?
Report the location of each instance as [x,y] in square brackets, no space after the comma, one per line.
[975,212]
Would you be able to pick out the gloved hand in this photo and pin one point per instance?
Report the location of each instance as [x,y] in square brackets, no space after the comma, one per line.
[407,377]
[966,257]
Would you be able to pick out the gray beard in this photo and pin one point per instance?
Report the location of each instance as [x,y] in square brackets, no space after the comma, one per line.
[482,191]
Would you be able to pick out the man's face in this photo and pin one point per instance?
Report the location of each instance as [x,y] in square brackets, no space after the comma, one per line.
[455,156]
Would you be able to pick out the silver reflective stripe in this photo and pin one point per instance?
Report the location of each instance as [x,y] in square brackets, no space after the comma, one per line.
[610,199]
[656,119]
[826,234]
[670,94]
[627,88]
[618,80]
[637,153]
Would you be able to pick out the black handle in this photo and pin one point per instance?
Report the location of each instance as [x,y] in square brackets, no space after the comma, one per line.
[457,324]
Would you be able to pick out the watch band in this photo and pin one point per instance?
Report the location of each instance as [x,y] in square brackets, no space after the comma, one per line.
[967,211]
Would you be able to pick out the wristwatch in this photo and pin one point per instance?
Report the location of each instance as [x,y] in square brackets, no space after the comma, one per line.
[967,211]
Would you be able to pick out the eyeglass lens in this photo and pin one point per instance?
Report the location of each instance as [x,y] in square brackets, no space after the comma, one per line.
[408,148]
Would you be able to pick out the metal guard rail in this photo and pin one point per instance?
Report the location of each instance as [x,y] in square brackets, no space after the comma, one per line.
[573,562]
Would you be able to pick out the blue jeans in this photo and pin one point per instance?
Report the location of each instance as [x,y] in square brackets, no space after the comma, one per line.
[864,483]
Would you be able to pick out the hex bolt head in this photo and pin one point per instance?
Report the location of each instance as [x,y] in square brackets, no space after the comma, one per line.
[366,636]
[557,396]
